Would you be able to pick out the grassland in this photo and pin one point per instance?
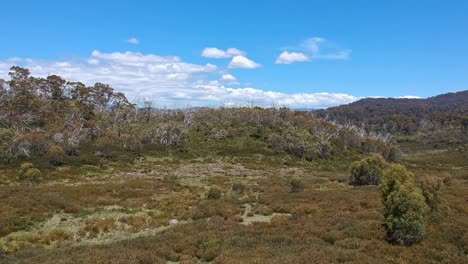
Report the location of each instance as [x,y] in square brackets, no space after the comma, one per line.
[114,212]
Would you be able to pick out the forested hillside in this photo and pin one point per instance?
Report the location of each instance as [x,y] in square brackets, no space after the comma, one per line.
[59,119]
[442,118]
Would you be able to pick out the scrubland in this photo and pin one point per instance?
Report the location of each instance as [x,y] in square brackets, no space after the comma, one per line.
[106,181]
[109,215]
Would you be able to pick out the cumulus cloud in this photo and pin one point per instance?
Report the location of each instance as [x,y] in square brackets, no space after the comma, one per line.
[229,79]
[240,96]
[291,57]
[216,53]
[242,62]
[169,81]
[133,41]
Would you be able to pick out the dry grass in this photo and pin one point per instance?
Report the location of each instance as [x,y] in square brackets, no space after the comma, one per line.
[125,220]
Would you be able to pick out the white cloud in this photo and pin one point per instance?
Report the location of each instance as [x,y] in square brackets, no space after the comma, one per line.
[241,96]
[229,79]
[169,81]
[134,41]
[93,61]
[216,53]
[242,62]
[409,97]
[291,57]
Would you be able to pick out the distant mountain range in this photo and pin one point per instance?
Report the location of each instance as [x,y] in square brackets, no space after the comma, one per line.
[429,117]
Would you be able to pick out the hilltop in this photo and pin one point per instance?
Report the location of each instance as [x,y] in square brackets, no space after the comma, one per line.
[435,119]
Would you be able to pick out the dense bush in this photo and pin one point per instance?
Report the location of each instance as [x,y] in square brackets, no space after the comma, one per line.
[394,154]
[367,171]
[432,191]
[405,208]
[6,140]
[29,175]
[214,193]
[296,185]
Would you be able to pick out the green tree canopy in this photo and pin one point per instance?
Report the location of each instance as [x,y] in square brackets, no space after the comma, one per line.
[405,208]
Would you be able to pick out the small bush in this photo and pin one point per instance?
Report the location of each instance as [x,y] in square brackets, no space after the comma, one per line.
[394,154]
[238,188]
[296,185]
[25,166]
[92,230]
[448,180]
[58,235]
[463,148]
[29,175]
[214,193]
[104,146]
[6,142]
[432,191]
[56,154]
[404,207]
[367,171]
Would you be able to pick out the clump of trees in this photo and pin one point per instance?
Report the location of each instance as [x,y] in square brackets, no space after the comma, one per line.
[368,171]
[28,174]
[405,207]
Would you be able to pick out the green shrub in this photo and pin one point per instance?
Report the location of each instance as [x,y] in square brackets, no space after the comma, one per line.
[56,154]
[367,171]
[405,208]
[295,185]
[29,175]
[214,193]
[6,142]
[25,166]
[432,191]
[394,154]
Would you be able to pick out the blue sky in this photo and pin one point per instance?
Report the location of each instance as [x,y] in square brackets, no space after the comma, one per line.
[334,51]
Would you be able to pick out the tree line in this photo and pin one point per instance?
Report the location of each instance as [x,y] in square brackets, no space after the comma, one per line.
[55,117]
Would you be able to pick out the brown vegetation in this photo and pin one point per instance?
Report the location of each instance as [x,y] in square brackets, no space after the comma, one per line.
[249,184]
